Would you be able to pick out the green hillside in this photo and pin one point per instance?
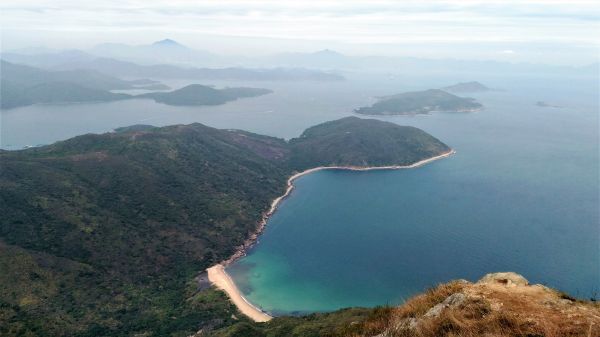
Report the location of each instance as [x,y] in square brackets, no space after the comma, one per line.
[12,95]
[23,85]
[362,142]
[103,235]
[27,76]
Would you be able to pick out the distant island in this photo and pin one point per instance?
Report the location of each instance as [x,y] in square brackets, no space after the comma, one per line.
[197,94]
[148,84]
[135,128]
[156,86]
[543,104]
[127,219]
[23,85]
[466,87]
[420,102]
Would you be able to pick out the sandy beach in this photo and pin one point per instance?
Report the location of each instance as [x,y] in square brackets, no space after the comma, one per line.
[219,277]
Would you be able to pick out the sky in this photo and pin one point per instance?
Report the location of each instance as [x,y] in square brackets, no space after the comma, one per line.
[538,31]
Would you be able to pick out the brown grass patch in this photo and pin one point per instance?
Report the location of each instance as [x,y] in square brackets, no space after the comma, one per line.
[491,310]
[420,304]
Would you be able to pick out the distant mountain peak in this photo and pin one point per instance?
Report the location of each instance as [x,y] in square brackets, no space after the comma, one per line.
[327,52]
[465,87]
[167,43]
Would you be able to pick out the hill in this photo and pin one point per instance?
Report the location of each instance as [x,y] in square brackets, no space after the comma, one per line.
[13,95]
[351,141]
[23,85]
[135,127]
[75,60]
[196,94]
[420,102]
[466,87]
[500,304]
[26,76]
[103,235]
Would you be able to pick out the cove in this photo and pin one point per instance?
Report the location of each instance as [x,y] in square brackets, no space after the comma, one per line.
[519,195]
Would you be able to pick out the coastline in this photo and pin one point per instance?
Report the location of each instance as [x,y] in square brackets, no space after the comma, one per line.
[219,277]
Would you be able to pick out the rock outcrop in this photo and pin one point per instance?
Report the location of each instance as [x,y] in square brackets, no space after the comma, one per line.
[500,304]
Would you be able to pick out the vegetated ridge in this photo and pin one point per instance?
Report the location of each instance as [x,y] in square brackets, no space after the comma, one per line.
[103,235]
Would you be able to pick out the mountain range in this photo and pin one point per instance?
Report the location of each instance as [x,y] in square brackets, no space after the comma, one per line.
[170,52]
[160,66]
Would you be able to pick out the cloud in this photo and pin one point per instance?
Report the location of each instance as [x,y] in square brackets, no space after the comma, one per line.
[349,22]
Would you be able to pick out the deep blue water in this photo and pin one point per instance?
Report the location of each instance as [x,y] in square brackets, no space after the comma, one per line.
[521,194]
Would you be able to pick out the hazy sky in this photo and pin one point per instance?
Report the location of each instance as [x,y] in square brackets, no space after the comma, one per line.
[542,31]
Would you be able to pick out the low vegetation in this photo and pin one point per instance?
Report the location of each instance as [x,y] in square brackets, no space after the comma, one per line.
[103,235]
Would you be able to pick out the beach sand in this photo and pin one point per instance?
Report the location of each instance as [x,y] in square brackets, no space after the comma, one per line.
[219,277]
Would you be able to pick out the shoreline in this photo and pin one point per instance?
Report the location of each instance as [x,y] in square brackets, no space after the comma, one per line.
[219,277]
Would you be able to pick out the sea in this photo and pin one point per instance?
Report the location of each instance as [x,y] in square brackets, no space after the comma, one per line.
[521,193]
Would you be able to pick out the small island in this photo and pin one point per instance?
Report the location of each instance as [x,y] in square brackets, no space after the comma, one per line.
[466,87]
[156,86]
[197,94]
[135,128]
[543,104]
[420,102]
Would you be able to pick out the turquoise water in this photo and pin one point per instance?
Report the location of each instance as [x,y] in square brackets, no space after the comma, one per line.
[521,194]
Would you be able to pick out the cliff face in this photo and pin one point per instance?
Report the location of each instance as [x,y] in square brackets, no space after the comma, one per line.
[500,304]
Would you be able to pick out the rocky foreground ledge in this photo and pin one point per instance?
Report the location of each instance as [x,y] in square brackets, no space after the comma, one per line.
[500,304]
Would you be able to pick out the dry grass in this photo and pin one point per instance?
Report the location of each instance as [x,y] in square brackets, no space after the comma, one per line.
[490,310]
[420,304]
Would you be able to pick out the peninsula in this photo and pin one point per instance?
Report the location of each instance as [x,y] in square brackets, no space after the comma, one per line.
[122,222]
[420,102]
